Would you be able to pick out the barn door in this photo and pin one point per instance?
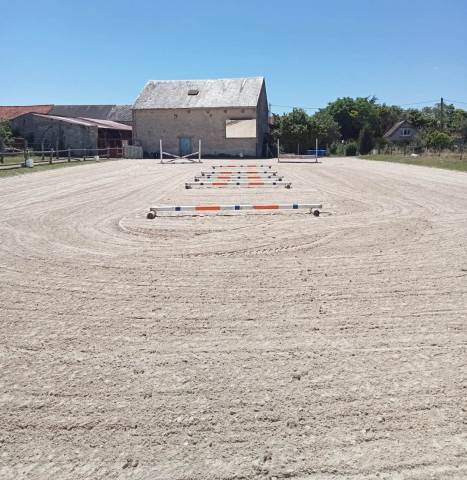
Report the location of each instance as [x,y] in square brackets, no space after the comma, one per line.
[185,146]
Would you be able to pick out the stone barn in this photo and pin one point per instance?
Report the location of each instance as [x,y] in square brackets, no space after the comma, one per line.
[229,116]
[51,131]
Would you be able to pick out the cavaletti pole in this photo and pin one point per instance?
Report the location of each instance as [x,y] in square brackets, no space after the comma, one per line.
[239,184]
[312,207]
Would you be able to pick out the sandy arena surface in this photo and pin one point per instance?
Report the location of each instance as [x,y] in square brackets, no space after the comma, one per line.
[234,347]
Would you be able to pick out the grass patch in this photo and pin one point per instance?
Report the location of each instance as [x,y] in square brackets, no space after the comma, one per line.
[448,161]
[40,168]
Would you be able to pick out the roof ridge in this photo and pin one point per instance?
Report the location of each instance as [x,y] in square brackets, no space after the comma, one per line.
[31,105]
[204,79]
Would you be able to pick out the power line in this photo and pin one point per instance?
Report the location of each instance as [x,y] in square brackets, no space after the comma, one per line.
[296,106]
[418,103]
[456,101]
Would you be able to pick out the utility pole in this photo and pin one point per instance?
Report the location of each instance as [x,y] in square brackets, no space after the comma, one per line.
[441,107]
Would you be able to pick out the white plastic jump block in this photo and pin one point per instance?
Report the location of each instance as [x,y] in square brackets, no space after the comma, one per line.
[312,207]
[240,183]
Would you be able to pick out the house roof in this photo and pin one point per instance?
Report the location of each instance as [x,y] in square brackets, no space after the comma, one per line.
[117,113]
[226,92]
[121,113]
[396,127]
[87,122]
[12,111]
[108,124]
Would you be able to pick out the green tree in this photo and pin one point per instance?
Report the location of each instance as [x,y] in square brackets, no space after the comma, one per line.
[324,128]
[352,114]
[6,135]
[419,119]
[366,141]
[388,115]
[293,129]
[438,140]
[459,124]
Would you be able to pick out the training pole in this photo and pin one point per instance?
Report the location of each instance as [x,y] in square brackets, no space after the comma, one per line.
[316,151]
[241,183]
[313,208]
[160,149]
[278,151]
[199,150]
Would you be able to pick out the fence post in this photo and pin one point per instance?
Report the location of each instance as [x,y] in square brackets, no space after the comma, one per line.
[84,155]
[1,157]
[108,153]
[51,155]
[69,154]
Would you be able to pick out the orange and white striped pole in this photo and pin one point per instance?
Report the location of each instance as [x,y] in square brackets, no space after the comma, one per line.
[312,207]
[240,183]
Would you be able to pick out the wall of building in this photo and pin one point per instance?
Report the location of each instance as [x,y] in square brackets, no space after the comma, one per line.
[49,132]
[203,123]
[262,124]
[398,137]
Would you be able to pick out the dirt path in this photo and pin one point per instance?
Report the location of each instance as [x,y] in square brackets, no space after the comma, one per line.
[255,346]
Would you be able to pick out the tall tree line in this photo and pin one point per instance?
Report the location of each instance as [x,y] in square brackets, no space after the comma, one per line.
[359,124]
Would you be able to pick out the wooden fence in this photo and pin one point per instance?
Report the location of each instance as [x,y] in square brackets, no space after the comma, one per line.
[10,160]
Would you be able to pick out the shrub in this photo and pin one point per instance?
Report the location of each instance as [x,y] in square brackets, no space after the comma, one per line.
[350,149]
[381,144]
[438,140]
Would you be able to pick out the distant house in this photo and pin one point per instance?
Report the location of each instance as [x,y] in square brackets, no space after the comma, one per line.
[401,131]
[52,131]
[229,116]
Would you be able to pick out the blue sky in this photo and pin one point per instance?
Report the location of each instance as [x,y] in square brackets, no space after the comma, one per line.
[311,52]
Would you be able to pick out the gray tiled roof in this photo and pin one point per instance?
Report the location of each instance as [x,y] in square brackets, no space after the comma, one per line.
[226,92]
[87,122]
[121,113]
[117,113]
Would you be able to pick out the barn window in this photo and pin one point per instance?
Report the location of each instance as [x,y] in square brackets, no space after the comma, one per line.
[241,128]
[406,132]
[193,91]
